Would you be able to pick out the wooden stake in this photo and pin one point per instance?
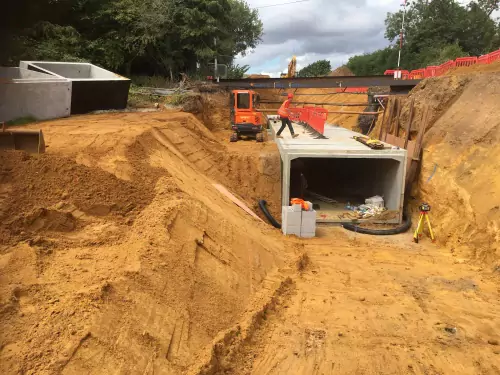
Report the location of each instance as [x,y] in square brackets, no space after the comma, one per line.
[391,116]
[417,152]
[383,121]
[421,131]
[410,120]
[398,119]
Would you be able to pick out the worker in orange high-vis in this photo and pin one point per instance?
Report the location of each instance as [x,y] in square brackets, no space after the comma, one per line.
[284,113]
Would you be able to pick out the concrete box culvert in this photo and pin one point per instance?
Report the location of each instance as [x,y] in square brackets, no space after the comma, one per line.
[25,93]
[343,171]
[93,88]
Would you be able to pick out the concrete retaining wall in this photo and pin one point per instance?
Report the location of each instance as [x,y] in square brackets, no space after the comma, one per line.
[93,88]
[26,93]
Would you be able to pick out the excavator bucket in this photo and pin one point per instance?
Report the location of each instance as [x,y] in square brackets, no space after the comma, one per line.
[31,141]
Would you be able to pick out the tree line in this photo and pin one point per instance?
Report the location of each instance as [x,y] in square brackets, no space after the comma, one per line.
[436,31]
[150,37]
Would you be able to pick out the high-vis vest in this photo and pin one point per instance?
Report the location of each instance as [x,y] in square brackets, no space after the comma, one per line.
[283,111]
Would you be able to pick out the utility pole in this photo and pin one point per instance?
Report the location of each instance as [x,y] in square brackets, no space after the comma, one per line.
[401,36]
[215,63]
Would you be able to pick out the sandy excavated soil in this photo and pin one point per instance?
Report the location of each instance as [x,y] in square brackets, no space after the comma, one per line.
[364,306]
[459,175]
[128,259]
[118,256]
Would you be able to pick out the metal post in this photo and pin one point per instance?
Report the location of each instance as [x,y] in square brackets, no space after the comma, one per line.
[402,34]
[215,66]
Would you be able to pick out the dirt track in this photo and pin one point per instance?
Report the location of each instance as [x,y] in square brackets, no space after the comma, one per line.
[378,307]
[119,256]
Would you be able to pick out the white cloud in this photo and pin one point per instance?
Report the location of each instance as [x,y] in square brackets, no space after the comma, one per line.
[318,29]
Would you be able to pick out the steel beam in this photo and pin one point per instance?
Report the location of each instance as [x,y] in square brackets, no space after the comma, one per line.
[318,82]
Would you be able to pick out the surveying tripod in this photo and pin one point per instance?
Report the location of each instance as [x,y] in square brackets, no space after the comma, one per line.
[425,208]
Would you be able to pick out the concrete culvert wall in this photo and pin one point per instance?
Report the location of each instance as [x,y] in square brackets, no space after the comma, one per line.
[348,181]
[346,170]
[93,88]
[77,70]
[25,93]
[73,71]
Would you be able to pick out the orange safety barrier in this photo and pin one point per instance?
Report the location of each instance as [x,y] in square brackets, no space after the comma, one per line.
[465,61]
[295,114]
[431,71]
[417,74]
[391,72]
[434,71]
[494,56]
[483,60]
[306,114]
[317,119]
[443,68]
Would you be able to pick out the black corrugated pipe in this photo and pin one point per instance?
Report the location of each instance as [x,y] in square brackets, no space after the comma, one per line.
[382,232]
[272,220]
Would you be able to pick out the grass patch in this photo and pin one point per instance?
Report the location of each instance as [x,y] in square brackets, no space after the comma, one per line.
[154,81]
[21,121]
[176,99]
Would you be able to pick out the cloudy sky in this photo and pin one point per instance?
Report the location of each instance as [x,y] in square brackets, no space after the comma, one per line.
[315,30]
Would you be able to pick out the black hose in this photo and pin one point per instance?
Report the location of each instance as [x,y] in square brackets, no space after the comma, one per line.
[272,220]
[382,232]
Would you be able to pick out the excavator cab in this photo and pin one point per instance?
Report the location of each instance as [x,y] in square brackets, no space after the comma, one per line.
[245,119]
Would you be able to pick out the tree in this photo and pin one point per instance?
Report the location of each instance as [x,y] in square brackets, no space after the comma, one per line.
[435,31]
[374,63]
[237,71]
[163,37]
[317,69]
[488,6]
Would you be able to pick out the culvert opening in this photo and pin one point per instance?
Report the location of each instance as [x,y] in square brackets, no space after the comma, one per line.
[336,185]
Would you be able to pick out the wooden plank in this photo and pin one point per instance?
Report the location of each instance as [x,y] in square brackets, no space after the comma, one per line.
[383,121]
[410,120]
[389,120]
[396,106]
[400,142]
[421,131]
[416,155]
[236,201]
[398,119]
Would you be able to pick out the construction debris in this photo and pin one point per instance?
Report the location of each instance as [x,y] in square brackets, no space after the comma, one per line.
[366,211]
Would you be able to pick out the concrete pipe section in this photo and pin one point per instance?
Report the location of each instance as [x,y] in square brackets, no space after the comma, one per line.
[93,88]
[342,172]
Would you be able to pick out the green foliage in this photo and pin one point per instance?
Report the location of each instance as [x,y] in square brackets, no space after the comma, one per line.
[436,31]
[237,71]
[316,69]
[489,6]
[373,63]
[438,56]
[21,121]
[163,37]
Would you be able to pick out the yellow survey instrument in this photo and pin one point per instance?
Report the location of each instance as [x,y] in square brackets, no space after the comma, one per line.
[425,208]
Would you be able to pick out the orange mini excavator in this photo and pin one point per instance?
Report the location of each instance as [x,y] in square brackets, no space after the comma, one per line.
[245,119]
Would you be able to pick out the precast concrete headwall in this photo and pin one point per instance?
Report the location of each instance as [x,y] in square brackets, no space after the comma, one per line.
[25,93]
[93,88]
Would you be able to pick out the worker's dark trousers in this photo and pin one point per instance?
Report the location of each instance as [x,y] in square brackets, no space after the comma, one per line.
[284,123]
